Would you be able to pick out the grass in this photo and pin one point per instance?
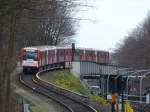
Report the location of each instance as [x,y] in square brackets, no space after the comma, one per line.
[65,79]
[68,81]
[99,100]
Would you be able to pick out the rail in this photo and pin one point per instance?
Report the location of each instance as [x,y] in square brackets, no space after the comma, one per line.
[70,94]
[34,89]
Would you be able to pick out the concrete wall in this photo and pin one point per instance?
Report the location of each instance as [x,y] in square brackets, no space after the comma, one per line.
[76,68]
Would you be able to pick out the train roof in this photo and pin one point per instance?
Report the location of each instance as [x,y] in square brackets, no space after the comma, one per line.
[40,47]
[45,47]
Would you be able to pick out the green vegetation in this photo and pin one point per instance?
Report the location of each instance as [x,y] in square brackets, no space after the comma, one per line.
[68,81]
[99,100]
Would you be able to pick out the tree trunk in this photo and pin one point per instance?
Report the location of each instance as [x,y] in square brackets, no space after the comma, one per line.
[8,66]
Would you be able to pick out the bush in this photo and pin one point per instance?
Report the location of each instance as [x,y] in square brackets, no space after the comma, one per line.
[66,80]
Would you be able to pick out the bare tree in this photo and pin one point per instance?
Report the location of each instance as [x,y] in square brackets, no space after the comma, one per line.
[135,49]
[26,23]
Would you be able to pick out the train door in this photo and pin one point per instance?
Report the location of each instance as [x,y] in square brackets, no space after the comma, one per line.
[67,58]
[88,55]
[103,56]
[57,55]
[49,57]
[52,56]
[61,55]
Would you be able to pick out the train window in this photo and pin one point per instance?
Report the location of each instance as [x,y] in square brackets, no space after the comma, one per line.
[61,51]
[52,52]
[86,52]
[92,53]
[81,52]
[89,53]
[45,57]
[99,53]
[30,55]
[76,52]
[103,55]
[67,52]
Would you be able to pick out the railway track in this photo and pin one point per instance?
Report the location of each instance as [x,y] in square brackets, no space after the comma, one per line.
[71,105]
[28,82]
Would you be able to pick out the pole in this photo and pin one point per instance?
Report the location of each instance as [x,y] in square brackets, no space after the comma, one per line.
[127,87]
[141,90]
[114,95]
[100,85]
[108,84]
[73,51]
[122,95]
[113,102]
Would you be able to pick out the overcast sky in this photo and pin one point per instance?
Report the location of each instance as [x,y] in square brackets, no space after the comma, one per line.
[114,19]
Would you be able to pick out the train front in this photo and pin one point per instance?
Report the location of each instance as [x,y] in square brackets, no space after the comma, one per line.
[30,60]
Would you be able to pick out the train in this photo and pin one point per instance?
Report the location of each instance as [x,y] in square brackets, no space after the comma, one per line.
[36,58]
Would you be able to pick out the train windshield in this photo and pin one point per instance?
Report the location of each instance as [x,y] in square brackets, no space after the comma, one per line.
[30,55]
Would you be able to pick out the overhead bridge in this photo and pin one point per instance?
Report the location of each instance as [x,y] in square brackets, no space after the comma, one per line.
[104,74]
[114,78]
[93,69]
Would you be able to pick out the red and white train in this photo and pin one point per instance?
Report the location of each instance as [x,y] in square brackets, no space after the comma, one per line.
[40,57]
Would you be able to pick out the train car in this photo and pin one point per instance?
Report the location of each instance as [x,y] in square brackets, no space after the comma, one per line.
[102,57]
[68,57]
[30,59]
[40,57]
[90,55]
[79,54]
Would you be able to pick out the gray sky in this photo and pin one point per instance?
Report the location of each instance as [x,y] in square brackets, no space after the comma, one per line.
[114,20]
